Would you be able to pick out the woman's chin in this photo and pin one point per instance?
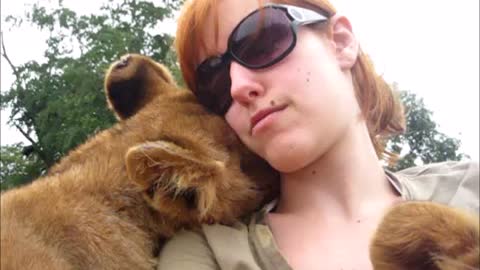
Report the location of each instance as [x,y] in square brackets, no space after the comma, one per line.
[287,162]
[291,155]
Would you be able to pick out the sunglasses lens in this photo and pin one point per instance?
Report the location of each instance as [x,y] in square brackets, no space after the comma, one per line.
[213,85]
[262,38]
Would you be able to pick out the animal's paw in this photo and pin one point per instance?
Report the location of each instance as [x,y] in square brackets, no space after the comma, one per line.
[132,82]
[426,235]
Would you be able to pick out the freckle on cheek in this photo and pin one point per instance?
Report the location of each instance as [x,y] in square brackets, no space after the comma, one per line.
[272,103]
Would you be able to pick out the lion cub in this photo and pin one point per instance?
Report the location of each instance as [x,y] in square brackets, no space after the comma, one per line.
[167,164]
[426,236]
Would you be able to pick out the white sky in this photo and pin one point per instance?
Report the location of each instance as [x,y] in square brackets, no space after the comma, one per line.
[430,47]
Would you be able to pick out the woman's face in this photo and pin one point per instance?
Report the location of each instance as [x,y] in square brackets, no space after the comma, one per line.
[295,111]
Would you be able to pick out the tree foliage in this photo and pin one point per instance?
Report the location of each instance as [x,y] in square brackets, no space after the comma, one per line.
[422,143]
[17,167]
[58,102]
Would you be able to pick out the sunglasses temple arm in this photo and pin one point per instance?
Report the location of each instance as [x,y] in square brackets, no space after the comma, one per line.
[307,16]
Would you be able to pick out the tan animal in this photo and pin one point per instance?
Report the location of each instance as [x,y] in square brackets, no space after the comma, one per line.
[426,236]
[187,165]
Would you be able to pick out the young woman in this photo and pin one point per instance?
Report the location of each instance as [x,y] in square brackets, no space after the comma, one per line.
[291,80]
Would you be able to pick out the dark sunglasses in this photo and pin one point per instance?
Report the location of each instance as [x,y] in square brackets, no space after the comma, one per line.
[261,39]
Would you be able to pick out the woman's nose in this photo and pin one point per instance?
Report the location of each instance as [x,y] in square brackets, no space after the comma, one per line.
[245,84]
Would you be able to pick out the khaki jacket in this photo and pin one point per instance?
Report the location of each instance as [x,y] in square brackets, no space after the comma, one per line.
[251,246]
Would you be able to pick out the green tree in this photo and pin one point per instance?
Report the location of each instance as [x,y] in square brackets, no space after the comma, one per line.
[422,143]
[57,103]
[17,166]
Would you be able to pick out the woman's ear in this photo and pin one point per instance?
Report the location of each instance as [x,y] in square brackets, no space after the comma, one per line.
[346,44]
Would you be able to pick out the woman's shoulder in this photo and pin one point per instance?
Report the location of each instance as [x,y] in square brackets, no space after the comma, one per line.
[187,250]
[447,167]
[455,183]
[212,247]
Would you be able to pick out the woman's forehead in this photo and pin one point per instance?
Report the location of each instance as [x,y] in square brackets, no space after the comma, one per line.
[222,20]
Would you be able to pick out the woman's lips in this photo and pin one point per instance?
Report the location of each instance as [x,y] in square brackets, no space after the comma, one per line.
[262,114]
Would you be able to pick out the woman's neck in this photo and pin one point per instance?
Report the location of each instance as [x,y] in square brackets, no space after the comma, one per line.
[347,183]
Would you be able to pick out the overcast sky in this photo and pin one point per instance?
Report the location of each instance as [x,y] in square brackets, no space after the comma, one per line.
[430,47]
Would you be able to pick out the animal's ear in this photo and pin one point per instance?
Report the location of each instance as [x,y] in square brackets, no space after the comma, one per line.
[134,81]
[428,236]
[167,171]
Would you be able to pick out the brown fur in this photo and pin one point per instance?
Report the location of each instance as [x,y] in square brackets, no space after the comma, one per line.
[426,236]
[187,165]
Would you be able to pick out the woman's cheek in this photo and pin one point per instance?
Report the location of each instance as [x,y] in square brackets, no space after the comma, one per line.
[235,120]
